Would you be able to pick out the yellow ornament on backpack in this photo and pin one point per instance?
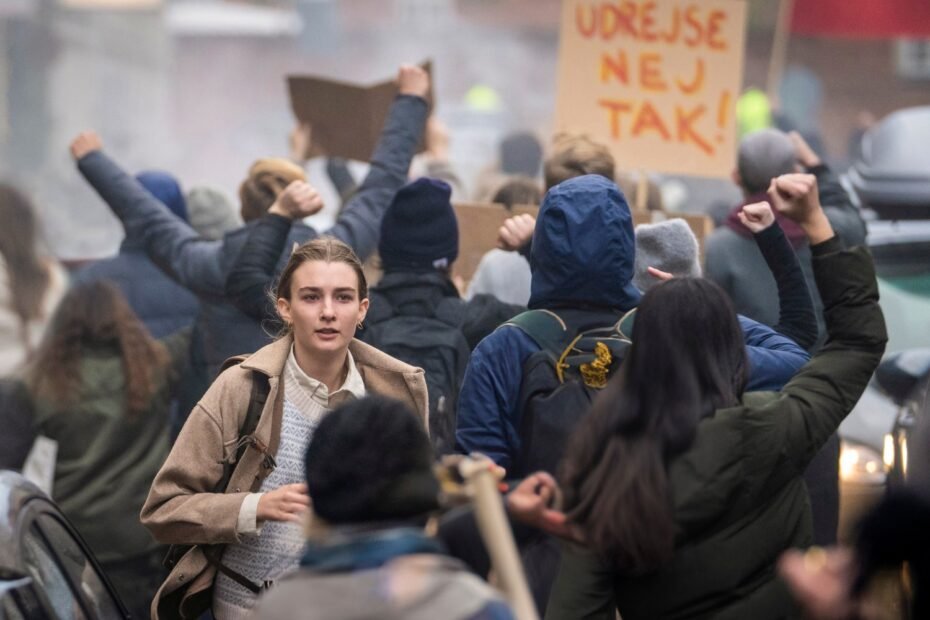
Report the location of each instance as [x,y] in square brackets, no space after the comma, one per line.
[594,374]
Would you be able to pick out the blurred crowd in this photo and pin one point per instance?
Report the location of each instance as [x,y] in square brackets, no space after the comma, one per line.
[249,412]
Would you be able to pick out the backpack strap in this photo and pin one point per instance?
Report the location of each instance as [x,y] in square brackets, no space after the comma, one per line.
[552,335]
[625,326]
[257,399]
[546,328]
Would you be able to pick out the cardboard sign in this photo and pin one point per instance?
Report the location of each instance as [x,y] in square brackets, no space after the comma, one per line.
[346,119]
[654,80]
[478,226]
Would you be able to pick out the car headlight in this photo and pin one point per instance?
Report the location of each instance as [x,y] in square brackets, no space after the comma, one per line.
[861,464]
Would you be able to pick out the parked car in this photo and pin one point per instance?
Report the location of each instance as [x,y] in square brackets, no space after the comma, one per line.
[892,174]
[905,378]
[891,183]
[47,572]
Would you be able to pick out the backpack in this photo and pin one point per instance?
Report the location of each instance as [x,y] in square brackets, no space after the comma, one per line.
[434,342]
[559,383]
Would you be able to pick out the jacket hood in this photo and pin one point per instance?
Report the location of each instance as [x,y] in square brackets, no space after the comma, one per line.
[583,247]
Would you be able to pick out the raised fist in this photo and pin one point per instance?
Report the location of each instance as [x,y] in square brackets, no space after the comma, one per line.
[757,217]
[297,201]
[516,232]
[795,196]
[85,143]
[413,80]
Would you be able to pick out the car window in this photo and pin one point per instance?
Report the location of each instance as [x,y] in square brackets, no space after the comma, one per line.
[41,565]
[79,567]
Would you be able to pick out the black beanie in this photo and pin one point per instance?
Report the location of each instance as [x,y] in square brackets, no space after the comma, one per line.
[419,231]
[371,460]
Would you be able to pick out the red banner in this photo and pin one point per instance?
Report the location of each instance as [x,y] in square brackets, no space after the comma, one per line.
[865,19]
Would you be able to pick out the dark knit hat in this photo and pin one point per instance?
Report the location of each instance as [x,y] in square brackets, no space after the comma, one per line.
[419,231]
[371,460]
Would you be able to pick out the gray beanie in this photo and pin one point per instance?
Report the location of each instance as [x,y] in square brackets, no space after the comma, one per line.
[764,155]
[670,246]
[210,213]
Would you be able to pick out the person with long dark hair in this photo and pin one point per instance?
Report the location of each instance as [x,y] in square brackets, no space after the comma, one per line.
[683,488]
[101,388]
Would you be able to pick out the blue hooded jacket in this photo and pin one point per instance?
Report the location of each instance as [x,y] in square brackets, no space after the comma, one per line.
[583,247]
[581,258]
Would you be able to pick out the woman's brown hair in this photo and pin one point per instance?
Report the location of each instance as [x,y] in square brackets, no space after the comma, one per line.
[326,249]
[92,315]
[29,275]
[267,179]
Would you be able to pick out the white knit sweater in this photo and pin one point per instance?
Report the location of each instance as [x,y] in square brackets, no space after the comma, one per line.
[273,550]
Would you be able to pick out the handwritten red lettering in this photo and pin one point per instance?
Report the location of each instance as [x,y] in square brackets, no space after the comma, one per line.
[649,120]
[586,29]
[714,27]
[692,22]
[648,21]
[696,82]
[650,72]
[614,110]
[686,132]
[615,67]
[671,35]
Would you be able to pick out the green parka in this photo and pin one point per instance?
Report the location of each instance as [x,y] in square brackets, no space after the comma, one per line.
[739,500]
[107,458]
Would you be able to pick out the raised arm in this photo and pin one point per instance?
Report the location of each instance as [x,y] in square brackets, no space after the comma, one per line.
[170,242]
[825,391]
[843,215]
[796,318]
[359,222]
[253,272]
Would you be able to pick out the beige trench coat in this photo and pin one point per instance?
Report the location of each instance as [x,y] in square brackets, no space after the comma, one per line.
[183,509]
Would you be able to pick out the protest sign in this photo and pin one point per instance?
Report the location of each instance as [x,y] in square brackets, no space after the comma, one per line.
[654,80]
[346,119]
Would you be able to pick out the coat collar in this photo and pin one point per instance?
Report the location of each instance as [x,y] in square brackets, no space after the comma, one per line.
[270,359]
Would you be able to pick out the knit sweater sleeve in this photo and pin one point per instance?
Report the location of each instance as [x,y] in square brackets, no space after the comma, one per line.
[796,318]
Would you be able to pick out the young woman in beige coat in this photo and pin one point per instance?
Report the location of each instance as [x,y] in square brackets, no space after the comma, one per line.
[249,536]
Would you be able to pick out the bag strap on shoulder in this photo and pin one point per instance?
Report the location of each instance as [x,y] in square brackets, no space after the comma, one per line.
[257,399]
[546,328]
